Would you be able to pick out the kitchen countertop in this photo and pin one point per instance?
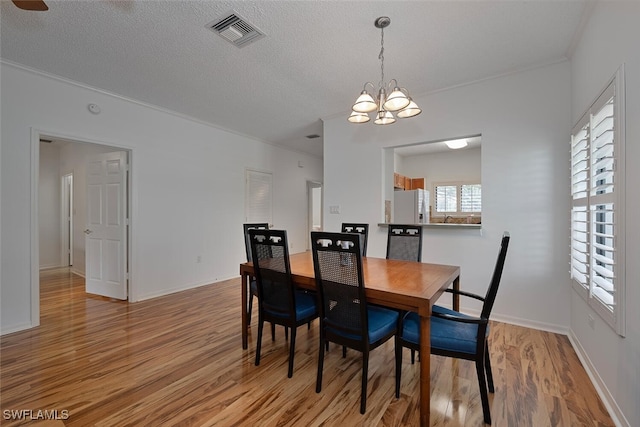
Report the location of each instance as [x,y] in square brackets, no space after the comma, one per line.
[440,225]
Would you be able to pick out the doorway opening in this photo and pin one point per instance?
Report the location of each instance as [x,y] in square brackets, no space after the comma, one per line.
[314,195]
[62,164]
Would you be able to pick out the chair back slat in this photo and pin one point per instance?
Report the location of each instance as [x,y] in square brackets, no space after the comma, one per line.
[404,242]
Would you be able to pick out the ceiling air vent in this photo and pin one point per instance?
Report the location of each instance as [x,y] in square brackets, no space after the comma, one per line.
[235,29]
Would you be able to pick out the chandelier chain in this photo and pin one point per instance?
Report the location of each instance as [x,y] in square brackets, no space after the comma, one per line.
[381,57]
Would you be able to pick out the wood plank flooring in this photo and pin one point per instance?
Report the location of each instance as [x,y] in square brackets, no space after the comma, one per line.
[178,360]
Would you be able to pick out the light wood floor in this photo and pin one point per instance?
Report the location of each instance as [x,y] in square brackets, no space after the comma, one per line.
[178,360]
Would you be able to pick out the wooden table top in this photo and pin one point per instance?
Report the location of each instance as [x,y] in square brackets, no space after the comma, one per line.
[405,285]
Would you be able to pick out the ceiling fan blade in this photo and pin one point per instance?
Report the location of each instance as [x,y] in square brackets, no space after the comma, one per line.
[31,5]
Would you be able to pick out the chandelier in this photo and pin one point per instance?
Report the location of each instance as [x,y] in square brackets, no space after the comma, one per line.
[398,101]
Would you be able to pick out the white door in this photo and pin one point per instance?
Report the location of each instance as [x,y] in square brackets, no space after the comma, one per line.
[106,228]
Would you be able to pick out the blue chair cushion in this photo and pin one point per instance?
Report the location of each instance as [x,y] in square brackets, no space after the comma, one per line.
[445,334]
[253,287]
[305,306]
[382,321]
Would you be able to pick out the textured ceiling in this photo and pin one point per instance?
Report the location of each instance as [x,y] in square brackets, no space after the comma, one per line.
[311,65]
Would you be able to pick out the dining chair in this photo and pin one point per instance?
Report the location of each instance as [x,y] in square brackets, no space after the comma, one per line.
[279,301]
[404,242]
[345,317]
[457,335]
[360,228]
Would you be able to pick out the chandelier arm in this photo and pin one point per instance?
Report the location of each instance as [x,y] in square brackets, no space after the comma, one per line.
[369,83]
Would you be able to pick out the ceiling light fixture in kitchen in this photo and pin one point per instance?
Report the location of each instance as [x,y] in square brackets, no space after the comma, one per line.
[398,101]
[456,143]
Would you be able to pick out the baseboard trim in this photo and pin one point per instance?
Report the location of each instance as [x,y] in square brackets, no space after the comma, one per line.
[78,272]
[601,388]
[16,328]
[51,267]
[182,288]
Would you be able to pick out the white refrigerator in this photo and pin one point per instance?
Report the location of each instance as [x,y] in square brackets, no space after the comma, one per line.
[411,207]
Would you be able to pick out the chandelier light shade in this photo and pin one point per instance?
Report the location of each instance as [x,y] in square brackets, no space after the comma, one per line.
[365,103]
[410,110]
[357,117]
[384,118]
[398,101]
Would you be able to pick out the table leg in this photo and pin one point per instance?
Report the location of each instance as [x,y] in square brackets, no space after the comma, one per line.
[425,370]
[245,335]
[456,296]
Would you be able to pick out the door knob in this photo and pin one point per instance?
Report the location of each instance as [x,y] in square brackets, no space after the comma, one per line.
[87,231]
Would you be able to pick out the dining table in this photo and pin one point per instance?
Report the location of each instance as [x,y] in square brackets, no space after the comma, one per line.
[404,285]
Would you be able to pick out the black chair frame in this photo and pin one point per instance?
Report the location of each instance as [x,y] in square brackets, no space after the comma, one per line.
[253,291]
[270,308]
[331,242]
[481,356]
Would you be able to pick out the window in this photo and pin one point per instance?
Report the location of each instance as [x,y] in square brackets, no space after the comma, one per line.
[458,198]
[597,189]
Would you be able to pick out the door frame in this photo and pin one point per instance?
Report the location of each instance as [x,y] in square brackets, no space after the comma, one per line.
[34,258]
[66,222]
[311,184]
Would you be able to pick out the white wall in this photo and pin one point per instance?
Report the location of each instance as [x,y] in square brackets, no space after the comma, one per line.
[611,38]
[49,205]
[188,187]
[525,122]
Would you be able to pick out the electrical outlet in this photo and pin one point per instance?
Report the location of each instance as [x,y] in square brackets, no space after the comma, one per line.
[334,209]
[198,259]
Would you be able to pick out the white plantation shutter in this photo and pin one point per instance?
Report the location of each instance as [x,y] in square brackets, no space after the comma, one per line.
[580,246]
[597,188]
[603,255]
[446,198]
[470,198]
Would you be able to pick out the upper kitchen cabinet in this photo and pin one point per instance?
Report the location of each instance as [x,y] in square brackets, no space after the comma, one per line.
[401,182]
[417,183]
